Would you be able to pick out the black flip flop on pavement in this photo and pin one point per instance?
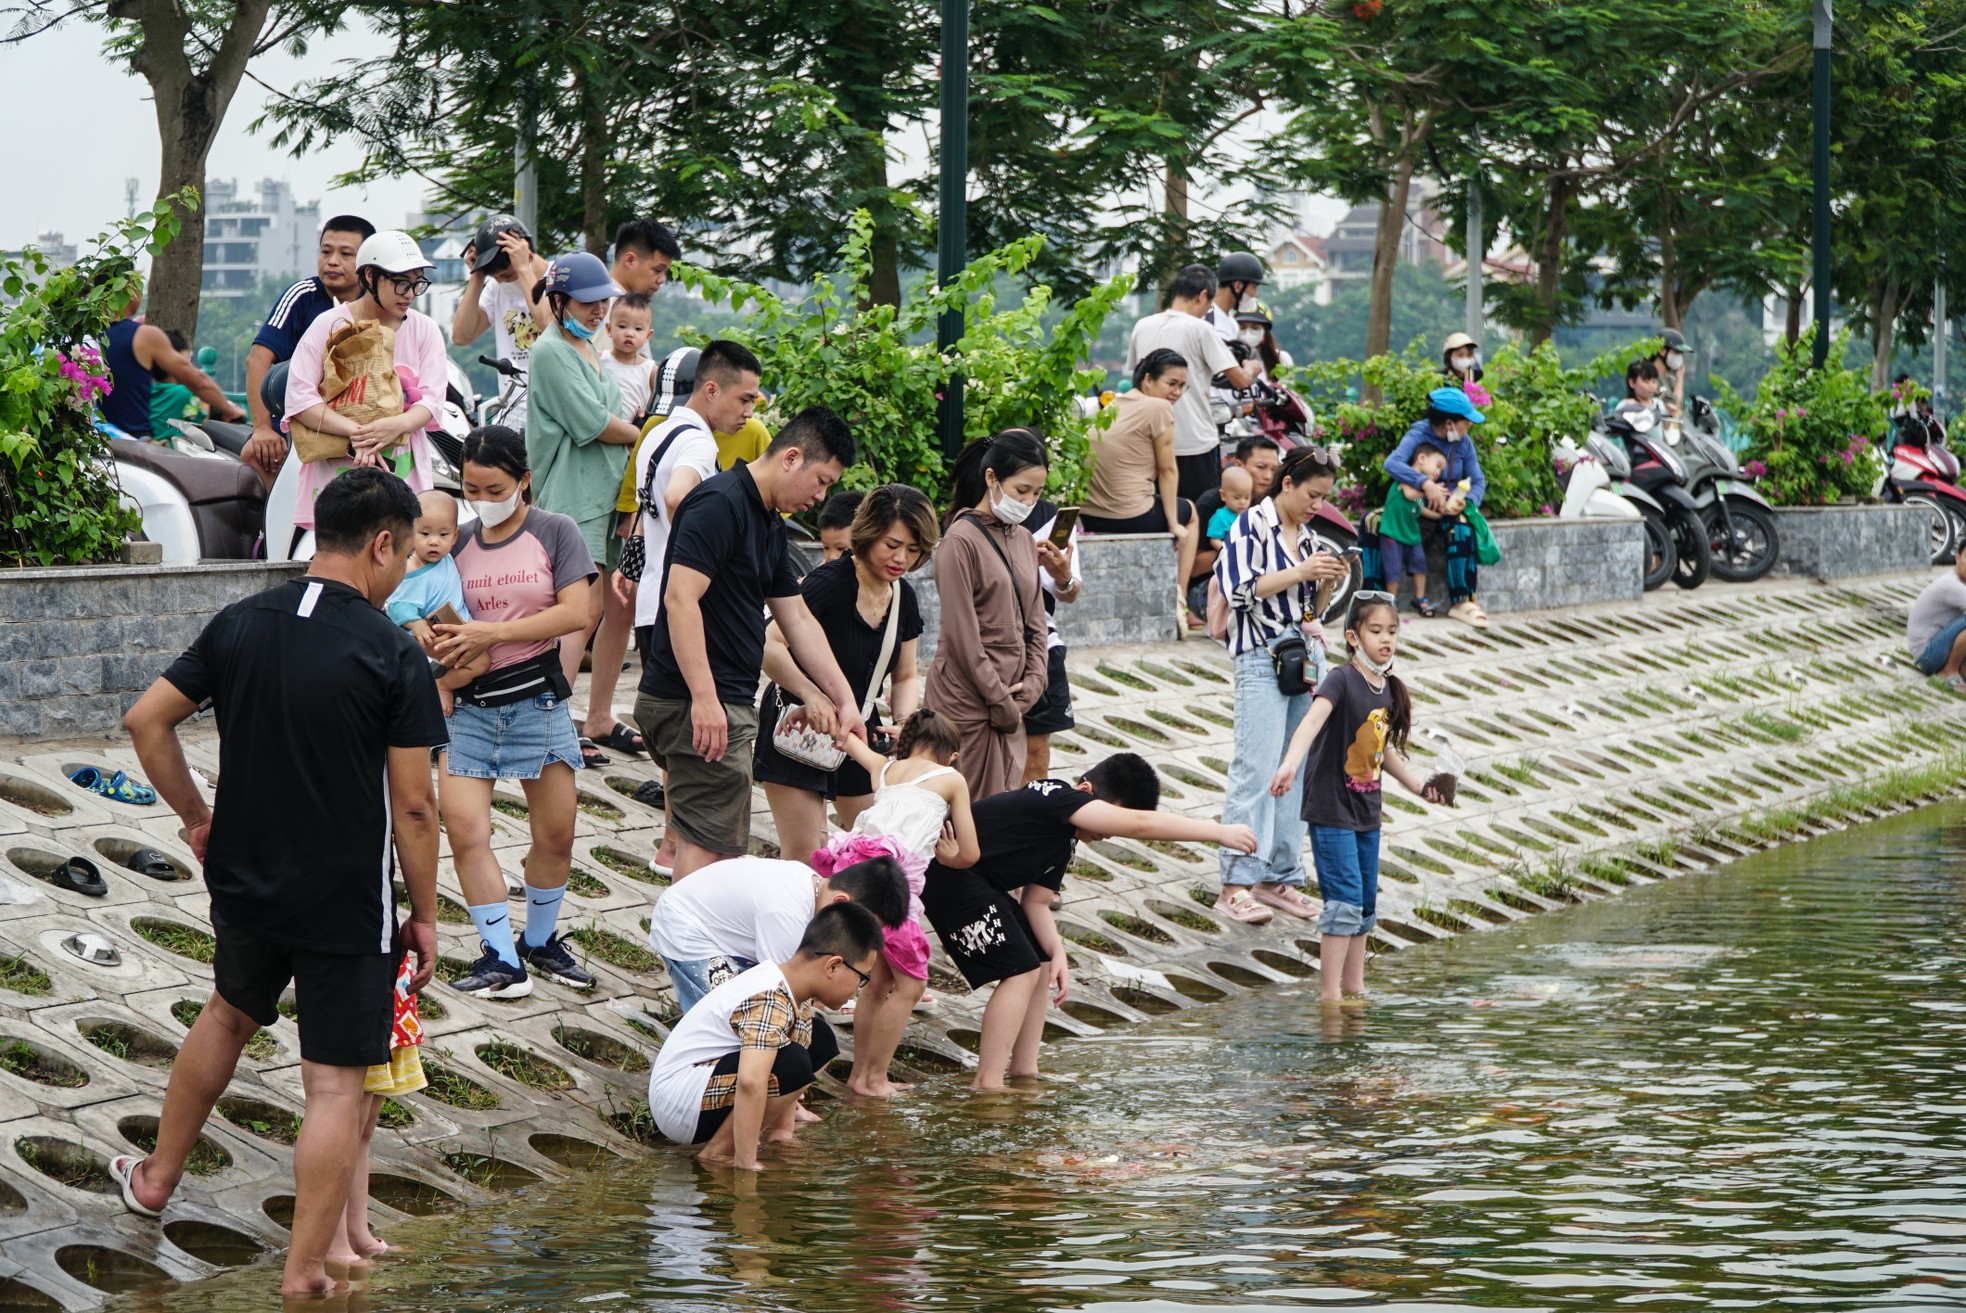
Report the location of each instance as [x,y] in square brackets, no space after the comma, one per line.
[79,875]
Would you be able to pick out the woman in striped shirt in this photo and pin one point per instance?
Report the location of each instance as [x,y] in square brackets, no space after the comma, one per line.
[1269,572]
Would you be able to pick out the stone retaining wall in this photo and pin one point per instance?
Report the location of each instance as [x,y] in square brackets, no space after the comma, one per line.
[1831,542]
[1129,594]
[78,644]
[1557,563]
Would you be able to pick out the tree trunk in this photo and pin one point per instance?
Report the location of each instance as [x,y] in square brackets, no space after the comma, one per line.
[1671,313]
[1884,305]
[596,143]
[1792,317]
[190,104]
[1549,263]
[1385,258]
[1174,228]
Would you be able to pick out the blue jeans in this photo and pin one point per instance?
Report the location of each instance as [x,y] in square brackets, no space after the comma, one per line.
[692,980]
[1933,659]
[1347,879]
[1265,720]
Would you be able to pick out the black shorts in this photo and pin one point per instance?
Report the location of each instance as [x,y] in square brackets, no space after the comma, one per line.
[1153,520]
[1053,711]
[769,766]
[347,1001]
[984,929]
[1195,475]
[792,1070]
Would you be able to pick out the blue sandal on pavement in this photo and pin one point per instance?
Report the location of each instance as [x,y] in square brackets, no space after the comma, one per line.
[118,787]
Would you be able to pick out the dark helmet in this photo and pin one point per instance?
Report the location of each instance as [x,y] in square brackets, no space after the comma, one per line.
[485,248]
[1256,314]
[1675,341]
[273,390]
[675,380]
[1241,267]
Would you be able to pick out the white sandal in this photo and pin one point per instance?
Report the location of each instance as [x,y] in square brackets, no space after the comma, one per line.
[1241,905]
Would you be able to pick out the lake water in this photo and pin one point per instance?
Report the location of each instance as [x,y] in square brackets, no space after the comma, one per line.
[1735,1090]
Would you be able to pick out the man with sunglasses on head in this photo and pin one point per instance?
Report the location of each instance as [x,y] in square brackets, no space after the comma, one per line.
[292,315]
[504,271]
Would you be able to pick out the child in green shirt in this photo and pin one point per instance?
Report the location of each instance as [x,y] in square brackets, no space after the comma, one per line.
[1401,550]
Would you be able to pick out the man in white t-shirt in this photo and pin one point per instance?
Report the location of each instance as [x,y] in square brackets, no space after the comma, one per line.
[741,911]
[498,295]
[1181,328]
[732,1069]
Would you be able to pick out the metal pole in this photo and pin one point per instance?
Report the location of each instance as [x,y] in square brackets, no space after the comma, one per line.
[525,155]
[1941,331]
[952,213]
[1477,252]
[1821,239]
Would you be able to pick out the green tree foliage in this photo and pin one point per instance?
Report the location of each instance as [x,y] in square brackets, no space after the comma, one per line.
[59,503]
[1810,428]
[1424,306]
[878,367]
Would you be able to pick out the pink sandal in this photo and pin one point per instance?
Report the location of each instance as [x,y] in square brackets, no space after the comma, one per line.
[1287,898]
[1239,904]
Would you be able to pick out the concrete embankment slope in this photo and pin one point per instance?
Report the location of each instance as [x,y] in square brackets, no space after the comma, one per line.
[1606,749]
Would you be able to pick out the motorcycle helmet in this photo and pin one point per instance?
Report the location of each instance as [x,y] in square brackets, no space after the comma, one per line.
[273,392]
[393,252]
[1241,267]
[1257,314]
[1457,342]
[485,250]
[1674,340]
[675,380]
[581,277]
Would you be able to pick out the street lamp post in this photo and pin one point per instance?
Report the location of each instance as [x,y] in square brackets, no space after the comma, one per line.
[1822,181]
[952,213]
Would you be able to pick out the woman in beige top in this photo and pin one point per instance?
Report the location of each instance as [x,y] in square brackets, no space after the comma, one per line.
[1134,477]
[990,659]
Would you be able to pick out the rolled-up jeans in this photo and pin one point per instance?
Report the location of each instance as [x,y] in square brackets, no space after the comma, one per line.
[1265,720]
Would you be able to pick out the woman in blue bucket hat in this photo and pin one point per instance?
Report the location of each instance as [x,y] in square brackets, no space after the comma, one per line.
[1450,499]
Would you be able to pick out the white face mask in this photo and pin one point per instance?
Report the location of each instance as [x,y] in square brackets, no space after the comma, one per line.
[1009,509]
[491,514]
[1253,336]
[1674,360]
[1463,363]
[1374,666]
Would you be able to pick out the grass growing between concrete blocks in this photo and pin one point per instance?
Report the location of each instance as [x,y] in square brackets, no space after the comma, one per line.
[23,977]
[261,1045]
[613,949]
[184,940]
[524,1066]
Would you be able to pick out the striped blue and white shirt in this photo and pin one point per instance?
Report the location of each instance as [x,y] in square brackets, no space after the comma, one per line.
[1255,547]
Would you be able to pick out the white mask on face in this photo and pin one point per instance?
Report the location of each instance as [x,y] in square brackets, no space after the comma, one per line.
[1010,510]
[1674,360]
[1463,363]
[1374,666]
[491,514]
[1253,336]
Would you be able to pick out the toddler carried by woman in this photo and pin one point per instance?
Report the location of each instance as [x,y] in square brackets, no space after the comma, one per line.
[920,810]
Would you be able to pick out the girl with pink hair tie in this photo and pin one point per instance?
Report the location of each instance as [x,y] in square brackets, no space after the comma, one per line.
[920,809]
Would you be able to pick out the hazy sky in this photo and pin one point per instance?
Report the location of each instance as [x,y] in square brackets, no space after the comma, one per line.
[79,125]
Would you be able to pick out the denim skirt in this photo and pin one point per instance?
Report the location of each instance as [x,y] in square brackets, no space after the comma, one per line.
[513,742]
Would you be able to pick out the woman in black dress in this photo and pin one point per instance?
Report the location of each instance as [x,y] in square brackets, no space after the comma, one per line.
[893,533]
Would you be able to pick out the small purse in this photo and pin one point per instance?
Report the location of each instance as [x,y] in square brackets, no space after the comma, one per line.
[634,547]
[806,745]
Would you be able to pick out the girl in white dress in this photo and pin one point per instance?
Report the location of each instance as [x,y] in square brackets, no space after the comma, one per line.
[920,810]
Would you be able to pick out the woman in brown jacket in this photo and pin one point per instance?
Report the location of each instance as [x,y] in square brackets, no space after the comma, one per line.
[990,654]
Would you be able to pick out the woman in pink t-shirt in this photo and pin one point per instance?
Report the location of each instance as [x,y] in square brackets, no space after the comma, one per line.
[526,573]
[391,269]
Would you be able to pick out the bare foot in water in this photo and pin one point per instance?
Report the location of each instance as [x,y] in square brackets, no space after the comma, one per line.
[803,1114]
[369,1246]
[783,1135]
[878,1089]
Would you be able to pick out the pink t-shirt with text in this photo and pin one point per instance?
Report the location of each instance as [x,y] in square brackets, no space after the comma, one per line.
[521,575]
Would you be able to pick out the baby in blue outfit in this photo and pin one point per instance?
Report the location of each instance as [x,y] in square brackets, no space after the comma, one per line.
[434,579]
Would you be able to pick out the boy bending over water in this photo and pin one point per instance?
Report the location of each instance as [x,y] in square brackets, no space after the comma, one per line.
[995,917]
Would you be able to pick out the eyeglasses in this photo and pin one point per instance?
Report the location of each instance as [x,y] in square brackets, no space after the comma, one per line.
[1317,456]
[865,979]
[410,286]
[1372,595]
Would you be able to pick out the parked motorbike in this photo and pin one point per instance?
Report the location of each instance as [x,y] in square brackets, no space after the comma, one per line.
[1920,470]
[197,503]
[1740,523]
[1658,469]
[514,387]
[1596,483]
[1275,412]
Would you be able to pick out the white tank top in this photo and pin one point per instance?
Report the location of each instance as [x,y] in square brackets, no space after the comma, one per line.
[906,813]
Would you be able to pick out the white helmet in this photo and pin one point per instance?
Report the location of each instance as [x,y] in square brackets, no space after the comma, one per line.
[393,252]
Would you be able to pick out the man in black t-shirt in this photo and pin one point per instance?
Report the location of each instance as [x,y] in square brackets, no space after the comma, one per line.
[994,918]
[727,561]
[326,714]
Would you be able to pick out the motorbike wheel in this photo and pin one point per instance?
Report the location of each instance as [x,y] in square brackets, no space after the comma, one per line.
[1689,540]
[1341,593]
[1661,556]
[1958,518]
[1942,531]
[1751,550]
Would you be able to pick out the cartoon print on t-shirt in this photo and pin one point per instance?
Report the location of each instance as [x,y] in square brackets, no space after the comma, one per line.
[523,328]
[1368,750]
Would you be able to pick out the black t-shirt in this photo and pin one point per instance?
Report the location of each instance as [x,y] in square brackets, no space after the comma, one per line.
[1342,783]
[312,685]
[1205,507]
[832,593]
[724,530]
[1026,835]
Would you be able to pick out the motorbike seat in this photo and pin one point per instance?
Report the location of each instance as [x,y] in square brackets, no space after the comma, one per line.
[201,479]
